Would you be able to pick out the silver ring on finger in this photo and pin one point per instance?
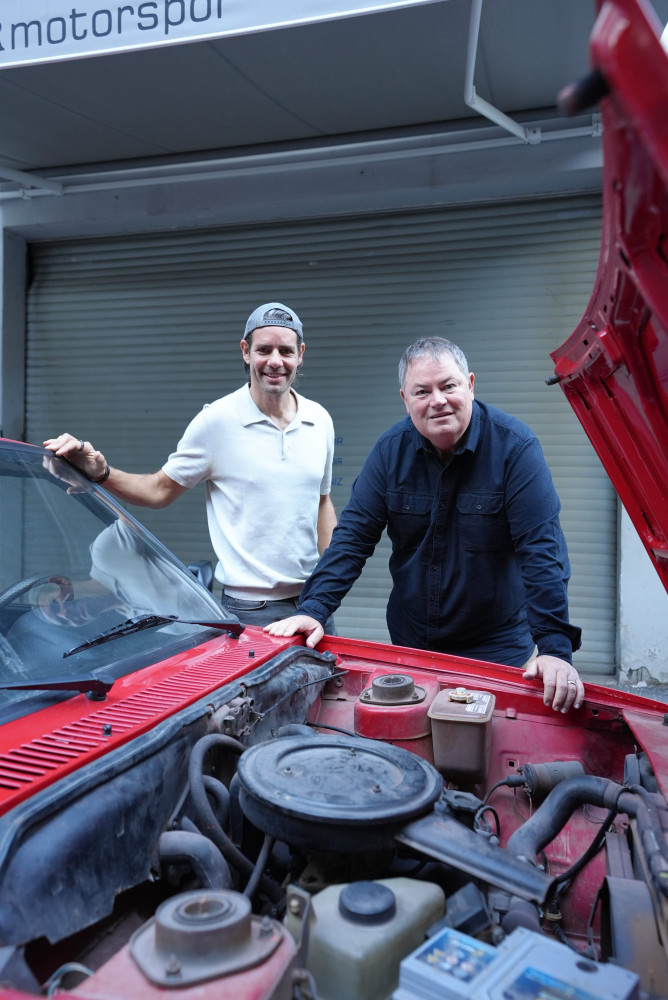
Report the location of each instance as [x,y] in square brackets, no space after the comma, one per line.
[81,444]
[574,683]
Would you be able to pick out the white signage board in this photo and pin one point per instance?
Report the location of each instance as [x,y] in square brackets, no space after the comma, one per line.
[35,31]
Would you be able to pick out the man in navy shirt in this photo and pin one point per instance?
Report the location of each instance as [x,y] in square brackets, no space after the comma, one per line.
[479,562]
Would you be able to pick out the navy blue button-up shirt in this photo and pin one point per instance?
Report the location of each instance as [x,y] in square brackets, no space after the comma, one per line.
[479,564]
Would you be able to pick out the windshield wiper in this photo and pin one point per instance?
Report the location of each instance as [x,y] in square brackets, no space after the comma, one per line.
[141,622]
[96,686]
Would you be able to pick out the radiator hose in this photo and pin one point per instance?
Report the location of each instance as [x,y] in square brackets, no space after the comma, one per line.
[553,814]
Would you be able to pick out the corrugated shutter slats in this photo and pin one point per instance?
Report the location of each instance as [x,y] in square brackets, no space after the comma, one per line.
[128,337]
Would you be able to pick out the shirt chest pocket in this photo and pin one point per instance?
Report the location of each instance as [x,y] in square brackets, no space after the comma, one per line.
[482,522]
[417,504]
[408,517]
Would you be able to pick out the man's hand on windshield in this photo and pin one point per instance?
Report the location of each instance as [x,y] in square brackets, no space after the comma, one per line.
[562,687]
[80,453]
[63,471]
[311,628]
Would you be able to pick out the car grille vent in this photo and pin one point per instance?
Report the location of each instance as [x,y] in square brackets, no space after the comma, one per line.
[52,755]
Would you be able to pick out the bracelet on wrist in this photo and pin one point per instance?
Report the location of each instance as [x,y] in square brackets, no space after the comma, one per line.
[103,478]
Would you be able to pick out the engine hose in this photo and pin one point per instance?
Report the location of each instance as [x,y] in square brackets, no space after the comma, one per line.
[642,805]
[237,820]
[206,818]
[521,913]
[221,796]
[199,853]
[553,814]
[540,779]
[260,866]
[296,729]
[566,877]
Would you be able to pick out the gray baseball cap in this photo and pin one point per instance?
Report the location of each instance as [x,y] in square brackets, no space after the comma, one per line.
[274,314]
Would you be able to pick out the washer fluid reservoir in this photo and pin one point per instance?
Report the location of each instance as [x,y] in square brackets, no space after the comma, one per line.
[359,933]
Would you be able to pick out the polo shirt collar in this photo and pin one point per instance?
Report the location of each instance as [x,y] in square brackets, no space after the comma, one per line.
[251,413]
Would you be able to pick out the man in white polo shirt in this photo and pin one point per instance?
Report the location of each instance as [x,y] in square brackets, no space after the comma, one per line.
[265,455]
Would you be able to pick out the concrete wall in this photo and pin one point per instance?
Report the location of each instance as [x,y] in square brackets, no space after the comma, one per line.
[643,613]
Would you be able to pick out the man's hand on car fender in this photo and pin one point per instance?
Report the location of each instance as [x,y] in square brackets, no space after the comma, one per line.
[311,628]
[562,687]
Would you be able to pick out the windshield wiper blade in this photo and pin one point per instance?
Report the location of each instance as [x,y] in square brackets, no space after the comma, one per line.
[141,622]
[97,686]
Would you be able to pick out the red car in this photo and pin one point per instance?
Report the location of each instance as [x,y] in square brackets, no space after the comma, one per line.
[194,808]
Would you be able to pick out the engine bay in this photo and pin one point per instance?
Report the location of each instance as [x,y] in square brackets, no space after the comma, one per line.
[313,827]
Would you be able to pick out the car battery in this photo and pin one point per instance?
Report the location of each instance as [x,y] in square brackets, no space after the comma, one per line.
[526,966]
[461,731]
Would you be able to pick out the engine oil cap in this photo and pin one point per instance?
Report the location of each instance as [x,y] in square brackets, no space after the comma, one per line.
[367,903]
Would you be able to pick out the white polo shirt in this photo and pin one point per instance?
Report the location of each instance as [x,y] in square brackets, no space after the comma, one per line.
[263,488]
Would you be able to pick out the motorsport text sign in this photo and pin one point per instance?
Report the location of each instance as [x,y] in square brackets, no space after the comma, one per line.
[35,31]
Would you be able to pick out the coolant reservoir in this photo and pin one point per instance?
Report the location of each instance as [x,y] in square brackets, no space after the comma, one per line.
[461,730]
[359,933]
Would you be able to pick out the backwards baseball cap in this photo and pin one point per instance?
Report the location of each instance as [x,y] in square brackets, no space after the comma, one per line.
[274,314]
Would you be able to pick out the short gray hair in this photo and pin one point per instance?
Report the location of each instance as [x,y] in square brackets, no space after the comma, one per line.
[431,347]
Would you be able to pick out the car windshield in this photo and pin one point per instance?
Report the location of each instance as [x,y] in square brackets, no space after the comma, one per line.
[74,565]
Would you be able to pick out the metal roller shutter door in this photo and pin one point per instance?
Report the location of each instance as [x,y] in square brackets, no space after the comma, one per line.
[128,337]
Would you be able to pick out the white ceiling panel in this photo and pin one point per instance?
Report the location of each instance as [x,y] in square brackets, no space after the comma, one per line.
[397,69]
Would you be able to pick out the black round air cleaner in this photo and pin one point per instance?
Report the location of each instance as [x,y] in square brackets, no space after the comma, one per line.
[334,793]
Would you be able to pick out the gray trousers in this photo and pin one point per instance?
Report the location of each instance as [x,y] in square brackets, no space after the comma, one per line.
[263,613]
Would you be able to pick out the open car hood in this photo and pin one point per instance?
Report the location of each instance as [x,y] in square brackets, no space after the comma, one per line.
[614,367]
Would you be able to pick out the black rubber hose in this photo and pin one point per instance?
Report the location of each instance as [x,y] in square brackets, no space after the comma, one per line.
[296,729]
[260,866]
[521,913]
[236,826]
[566,877]
[221,796]
[199,853]
[556,810]
[206,818]
[644,805]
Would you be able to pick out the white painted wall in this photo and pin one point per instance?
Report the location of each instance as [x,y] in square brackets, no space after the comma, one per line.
[643,613]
